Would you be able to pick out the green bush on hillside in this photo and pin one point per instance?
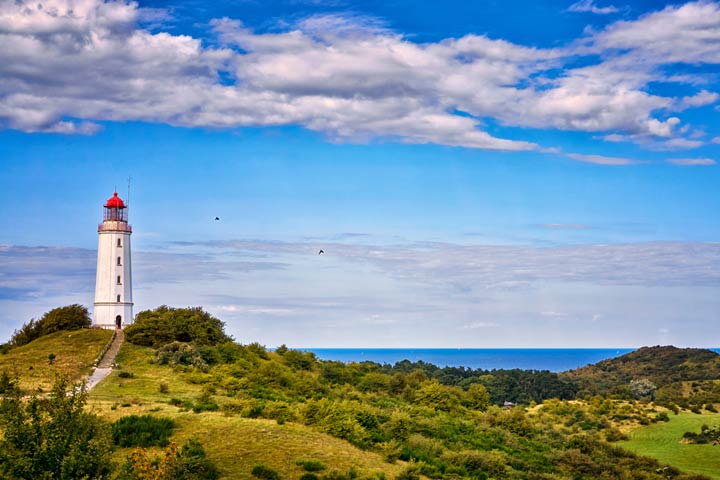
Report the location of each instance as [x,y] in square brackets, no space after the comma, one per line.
[187,463]
[71,317]
[154,328]
[53,437]
[265,472]
[142,431]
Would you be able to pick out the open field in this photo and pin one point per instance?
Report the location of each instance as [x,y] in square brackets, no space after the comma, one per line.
[662,441]
[75,353]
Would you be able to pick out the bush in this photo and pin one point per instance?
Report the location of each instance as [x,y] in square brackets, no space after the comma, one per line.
[264,472]
[163,325]
[71,317]
[142,431]
[164,387]
[53,437]
[124,374]
[311,465]
[8,384]
[179,353]
[187,463]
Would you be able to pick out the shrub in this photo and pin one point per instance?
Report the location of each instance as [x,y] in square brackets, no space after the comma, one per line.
[142,431]
[208,406]
[187,463]
[165,324]
[8,384]
[71,317]
[164,387]
[125,374]
[308,476]
[53,437]
[264,472]
[311,465]
[179,353]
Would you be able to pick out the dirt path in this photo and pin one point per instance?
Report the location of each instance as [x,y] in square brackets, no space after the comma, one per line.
[106,362]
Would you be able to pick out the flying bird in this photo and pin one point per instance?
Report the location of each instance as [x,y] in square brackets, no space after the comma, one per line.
[321,252]
[217,218]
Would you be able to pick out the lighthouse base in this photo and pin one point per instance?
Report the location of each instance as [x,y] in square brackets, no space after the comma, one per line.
[112,315]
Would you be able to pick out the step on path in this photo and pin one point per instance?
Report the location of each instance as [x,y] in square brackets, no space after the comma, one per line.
[106,362]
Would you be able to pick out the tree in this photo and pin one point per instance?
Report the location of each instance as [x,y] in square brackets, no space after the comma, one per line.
[643,388]
[163,325]
[53,437]
[71,317]
[477,397]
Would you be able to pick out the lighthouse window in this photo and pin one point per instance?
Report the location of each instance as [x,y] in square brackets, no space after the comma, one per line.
[118,298]
[118,280]
[119,243]
[119,261]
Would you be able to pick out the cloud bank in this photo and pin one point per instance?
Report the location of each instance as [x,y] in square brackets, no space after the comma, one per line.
[67,65]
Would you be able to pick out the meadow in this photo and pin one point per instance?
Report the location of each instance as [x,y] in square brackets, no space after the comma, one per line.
[663,441]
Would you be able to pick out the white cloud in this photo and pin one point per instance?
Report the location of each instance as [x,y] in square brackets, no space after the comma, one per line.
[68,65]
[589,6]
[716,140]
[689,162]
[687,33]
[678,143]
[476,325]
[601,159]
[566,226]
[428,294]
[700,99]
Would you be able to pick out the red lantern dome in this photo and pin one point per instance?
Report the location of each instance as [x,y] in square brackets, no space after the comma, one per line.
[115,202]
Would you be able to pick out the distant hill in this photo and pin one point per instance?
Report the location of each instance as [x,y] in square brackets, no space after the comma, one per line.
[661,365]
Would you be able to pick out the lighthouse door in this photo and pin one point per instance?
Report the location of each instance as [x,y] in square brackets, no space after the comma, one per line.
[118,321]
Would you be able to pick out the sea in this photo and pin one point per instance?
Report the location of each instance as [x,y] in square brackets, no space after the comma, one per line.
[553,359]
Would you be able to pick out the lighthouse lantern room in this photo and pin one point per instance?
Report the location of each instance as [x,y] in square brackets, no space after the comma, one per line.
[113,284]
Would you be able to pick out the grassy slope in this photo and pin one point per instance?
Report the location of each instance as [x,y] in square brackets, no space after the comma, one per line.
[75,352]
[235,444]
[662,441]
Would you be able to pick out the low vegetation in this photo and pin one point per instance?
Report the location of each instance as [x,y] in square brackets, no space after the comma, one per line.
[142,431]
[242,411]
[75,354]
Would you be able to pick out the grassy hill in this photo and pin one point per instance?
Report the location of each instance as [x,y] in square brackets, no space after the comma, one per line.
[75,353]
[663,441]
[663,366]
[249,406]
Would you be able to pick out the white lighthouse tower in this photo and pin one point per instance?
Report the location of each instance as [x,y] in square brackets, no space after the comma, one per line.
[113,285]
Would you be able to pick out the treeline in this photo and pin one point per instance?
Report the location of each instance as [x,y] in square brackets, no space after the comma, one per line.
[513,385]
[71,317]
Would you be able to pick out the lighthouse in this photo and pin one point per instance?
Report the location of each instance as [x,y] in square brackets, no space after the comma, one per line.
[113,283]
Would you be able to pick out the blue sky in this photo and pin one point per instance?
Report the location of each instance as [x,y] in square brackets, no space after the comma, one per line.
[479,174]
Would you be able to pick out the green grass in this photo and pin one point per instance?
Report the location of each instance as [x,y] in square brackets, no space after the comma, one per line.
[75,353]
[145,381]
[663,442]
